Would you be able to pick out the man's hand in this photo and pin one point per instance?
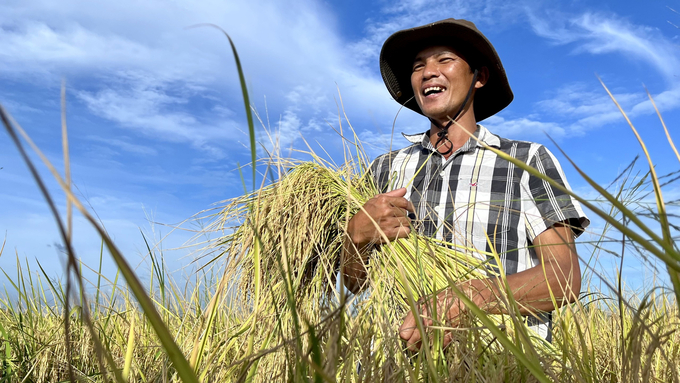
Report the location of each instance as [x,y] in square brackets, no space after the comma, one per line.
[449,310]
[557,276]
[383,214]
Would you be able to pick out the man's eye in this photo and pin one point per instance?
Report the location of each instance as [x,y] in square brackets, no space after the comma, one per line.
[417,67]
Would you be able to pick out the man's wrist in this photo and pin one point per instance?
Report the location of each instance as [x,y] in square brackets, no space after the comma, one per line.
[480,292]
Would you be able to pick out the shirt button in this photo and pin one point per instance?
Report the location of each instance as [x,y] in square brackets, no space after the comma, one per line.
[441,174]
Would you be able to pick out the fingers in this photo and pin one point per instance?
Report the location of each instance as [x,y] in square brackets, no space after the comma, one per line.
[409,332]
[395,228]
[414,343]
[442,309]
[407,328]
[396,198]
[448,338]
[383,218]
[399,212]
[399,202]
[396,192]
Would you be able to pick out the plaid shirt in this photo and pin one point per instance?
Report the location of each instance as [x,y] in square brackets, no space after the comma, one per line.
[475,193]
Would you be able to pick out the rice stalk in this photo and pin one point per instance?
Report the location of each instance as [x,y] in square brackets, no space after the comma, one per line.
[660,203]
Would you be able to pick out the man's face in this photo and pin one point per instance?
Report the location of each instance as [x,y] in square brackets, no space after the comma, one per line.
[440,79]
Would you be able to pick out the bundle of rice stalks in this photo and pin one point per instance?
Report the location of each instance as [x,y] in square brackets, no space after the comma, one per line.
[295,228]
[286,251]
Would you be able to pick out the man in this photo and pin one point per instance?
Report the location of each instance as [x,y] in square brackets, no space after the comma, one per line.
[450,185]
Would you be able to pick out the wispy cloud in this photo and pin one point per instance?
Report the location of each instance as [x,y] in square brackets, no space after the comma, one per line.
[144,105]
[375,143]
[522,127]
[584,107]
[597,33]
[608,34]
[581,110]
[36,47]
[123,144]
[581,107]
[411,13]
[145,73]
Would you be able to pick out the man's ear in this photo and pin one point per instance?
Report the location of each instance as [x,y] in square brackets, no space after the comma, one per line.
[482,77]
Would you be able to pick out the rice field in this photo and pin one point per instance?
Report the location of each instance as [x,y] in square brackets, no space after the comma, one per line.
[268,304]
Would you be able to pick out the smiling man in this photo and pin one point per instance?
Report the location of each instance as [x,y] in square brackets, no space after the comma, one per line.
[449,185]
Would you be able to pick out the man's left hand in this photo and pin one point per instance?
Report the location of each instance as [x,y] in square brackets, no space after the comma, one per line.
[449,309]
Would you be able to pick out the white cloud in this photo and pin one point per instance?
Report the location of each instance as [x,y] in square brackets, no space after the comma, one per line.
[552,25]
[123,144]
[308,98]
[596,33]
[666,100]
[613,35]
[582,107]
[137,66]
[522,127]
[410,13]
[36,47]
[577,100]
[156,109]
[375,143]
[288,130]
[12,107]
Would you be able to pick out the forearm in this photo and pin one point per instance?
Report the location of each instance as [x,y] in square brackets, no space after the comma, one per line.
[557,277]
[352,265]
[533,290]
[555,281]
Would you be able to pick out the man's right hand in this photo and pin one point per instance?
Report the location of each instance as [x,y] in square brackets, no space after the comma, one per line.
[385,215]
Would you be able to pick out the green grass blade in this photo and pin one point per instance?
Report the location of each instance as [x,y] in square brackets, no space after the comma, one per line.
[175,355]
[660,204]
[57,292]
[99,281]
[129,352]
[668,135]
[246,99]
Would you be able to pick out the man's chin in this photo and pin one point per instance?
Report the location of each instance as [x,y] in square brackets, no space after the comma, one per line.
[438,115]
[435,111]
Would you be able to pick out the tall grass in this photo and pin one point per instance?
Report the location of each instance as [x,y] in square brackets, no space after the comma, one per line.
[269,307]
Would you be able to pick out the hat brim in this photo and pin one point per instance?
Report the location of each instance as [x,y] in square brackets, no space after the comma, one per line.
[399,50]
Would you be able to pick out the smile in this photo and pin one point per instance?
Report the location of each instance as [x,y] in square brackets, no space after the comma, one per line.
[432,90]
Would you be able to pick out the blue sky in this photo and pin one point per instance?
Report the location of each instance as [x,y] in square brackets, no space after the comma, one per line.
[157,124]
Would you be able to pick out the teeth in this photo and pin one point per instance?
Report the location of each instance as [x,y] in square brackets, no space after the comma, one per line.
[433,89]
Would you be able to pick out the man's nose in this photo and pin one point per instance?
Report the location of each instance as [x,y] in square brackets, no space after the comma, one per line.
[430,70]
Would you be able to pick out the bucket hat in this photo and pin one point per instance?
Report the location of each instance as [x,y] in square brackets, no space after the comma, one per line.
[399,50]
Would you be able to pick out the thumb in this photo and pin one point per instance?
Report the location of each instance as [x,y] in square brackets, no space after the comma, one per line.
[407,328]
[397,192]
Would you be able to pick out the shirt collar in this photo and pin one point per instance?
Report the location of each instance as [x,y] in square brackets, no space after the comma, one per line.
[483,135]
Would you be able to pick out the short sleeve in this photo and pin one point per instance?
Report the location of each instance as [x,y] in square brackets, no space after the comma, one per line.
[546,205]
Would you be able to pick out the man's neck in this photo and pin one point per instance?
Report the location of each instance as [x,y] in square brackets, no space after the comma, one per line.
[457,134]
